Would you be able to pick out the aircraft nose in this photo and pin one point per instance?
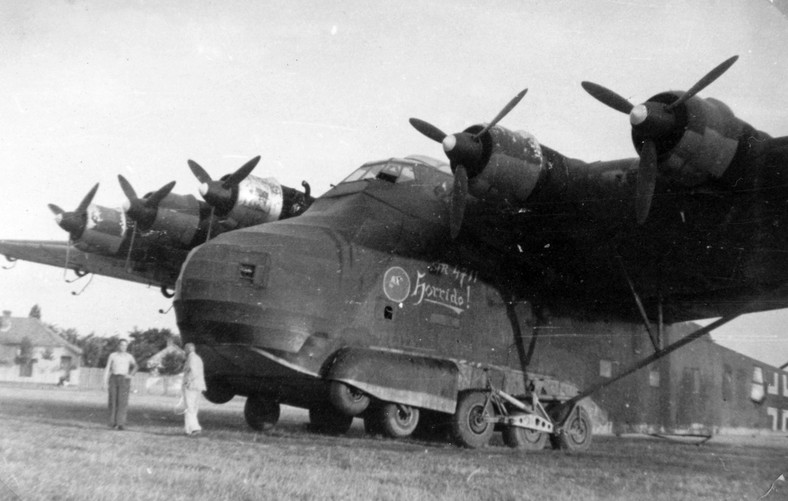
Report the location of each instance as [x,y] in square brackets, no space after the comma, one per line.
[269,286]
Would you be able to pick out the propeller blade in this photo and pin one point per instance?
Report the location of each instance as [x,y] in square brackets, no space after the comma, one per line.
[155,199]
[199,172]
[83,205]
[505,111]
[127,189]
[608,97]
[428,130]
[236,177]
[704,82]
[646,180]
[56,210]
[459,196]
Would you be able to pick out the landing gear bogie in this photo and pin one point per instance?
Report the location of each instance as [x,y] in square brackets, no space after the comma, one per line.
[398,420]
[524,439]
[575,433]
[347,399]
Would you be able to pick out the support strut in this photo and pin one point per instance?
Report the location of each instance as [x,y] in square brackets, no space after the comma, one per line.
[653,358]
[655,339]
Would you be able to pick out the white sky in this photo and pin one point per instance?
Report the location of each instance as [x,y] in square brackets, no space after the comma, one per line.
[93,89]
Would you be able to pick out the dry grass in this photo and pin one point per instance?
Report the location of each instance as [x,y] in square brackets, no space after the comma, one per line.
[55,445]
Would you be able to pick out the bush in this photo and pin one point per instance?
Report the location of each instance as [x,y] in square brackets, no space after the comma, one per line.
[172,363]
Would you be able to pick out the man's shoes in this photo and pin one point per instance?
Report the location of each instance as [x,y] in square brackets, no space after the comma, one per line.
[195,433]
[120,428]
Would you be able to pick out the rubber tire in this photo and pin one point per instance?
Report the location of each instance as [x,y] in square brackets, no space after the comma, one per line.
[576,433]
[218,392]
[326,419]
[467,428]
[396,423]
[261,414]
[348,400]
[524,439]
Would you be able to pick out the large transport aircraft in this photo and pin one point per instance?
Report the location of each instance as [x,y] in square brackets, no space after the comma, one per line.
[404,295]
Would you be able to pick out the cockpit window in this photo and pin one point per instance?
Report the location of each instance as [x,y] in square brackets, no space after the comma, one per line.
[393,172]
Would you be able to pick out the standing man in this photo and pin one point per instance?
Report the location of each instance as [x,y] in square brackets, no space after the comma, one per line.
[121,367]
[193,385]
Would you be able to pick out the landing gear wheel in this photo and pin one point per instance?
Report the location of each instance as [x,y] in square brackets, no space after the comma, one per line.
[260,413]
[325,419]
[469,427]
[347,399]
[524,439]
[218,392]
[575,434]
[397,420]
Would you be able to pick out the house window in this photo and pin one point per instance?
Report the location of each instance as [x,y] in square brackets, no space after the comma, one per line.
[606,368]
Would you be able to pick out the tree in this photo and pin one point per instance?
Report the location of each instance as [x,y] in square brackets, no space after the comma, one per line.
[145,344]
[35,312]
[172,363]
[96,350]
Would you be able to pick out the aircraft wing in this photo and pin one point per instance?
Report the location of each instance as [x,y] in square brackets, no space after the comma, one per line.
[694,227]
[56,253]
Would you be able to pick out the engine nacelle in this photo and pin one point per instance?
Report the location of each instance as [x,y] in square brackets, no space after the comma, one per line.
[704,144]
[513,162]
[259,201]
[104,231]
[179,218]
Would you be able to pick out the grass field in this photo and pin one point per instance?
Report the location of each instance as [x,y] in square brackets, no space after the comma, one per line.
[55,444]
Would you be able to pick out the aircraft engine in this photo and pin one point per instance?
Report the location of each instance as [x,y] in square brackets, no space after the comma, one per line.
[514,164]
[257,201]
[678,135]
[704,143]
[249,200]
[92,227]
[180,223]
[104,230]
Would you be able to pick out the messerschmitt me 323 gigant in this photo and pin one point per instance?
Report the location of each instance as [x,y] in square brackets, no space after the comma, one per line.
[406,293]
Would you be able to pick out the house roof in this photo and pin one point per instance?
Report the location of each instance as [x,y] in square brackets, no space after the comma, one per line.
[32,328]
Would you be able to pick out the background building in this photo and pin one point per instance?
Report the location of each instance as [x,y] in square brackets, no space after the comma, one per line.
[32,352]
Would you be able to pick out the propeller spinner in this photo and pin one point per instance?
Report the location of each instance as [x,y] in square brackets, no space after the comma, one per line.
[464,151]
[76,221]
[143,210]
[219,194]
[651,121]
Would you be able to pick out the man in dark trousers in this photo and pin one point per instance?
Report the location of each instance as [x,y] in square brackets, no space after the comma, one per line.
[121,366]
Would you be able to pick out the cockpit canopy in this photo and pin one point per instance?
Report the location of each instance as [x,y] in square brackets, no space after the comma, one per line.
[396,170]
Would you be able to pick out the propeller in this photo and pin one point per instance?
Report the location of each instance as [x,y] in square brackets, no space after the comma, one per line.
[464,151]
[219,193]
[143,210]
[76,221]
[651,121]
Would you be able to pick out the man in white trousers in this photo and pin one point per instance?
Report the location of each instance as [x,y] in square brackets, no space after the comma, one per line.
[193,386]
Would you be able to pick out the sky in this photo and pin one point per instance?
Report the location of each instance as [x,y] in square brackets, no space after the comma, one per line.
[92,89]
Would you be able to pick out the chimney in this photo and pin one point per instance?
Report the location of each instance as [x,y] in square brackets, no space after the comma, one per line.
[5,322]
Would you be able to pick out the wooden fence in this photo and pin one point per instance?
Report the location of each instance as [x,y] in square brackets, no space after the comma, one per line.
[92,378]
